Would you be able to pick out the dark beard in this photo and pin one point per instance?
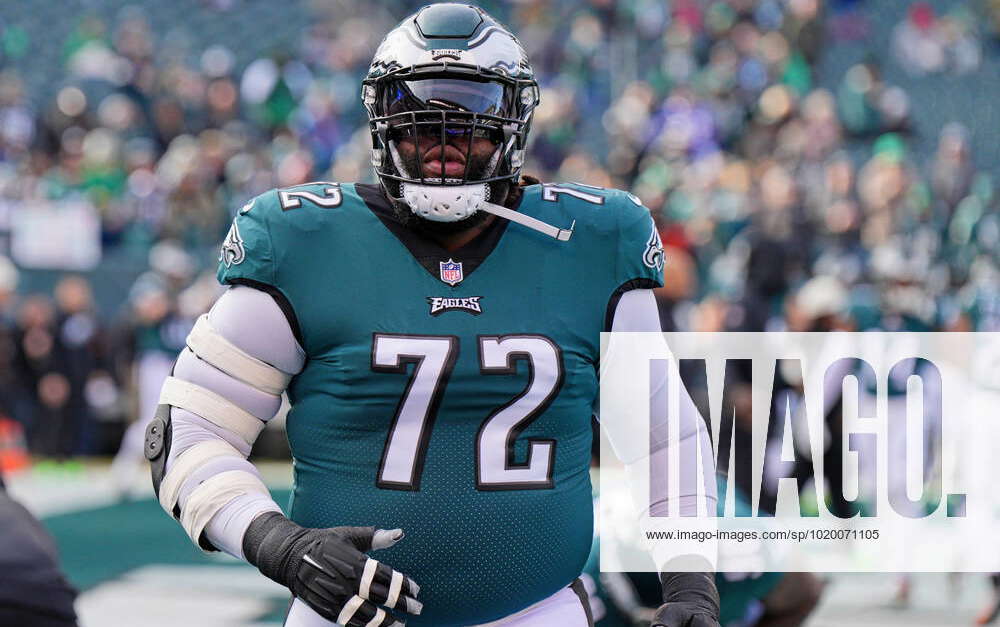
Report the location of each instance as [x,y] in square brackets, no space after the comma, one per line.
[475,166]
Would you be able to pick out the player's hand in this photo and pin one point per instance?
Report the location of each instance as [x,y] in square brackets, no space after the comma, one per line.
[692,600]
[329,571]
[680,614]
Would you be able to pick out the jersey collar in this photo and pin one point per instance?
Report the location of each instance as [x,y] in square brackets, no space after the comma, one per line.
[427,252]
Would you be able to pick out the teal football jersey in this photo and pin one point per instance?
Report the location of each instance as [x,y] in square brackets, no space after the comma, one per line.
[448,393]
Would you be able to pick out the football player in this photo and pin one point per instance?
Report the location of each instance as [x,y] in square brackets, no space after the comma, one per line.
[438,338]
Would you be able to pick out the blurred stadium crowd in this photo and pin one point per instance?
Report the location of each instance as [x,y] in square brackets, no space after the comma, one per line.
[789,196]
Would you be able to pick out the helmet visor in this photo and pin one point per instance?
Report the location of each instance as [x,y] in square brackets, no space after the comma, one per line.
[447,94]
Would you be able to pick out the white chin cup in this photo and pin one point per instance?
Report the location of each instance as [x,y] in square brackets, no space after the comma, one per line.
[445,203]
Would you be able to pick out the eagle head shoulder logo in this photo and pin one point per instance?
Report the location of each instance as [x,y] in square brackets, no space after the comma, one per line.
[232,252]
[653,255]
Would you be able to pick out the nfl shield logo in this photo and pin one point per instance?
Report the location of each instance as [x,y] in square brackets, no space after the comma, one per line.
[451,272]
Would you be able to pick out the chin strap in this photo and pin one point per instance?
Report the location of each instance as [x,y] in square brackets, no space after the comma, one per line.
[532,223]
[451,203]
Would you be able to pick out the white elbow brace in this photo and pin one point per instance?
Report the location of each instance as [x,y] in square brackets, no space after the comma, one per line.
[209,345]
[212,407]
[186,464]
[212,494]
[223,390]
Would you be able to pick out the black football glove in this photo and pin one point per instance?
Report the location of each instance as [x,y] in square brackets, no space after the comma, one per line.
[329,571]
[691,600]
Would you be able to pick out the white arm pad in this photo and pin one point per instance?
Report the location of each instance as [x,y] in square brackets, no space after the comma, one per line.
[209,345]
[220,401]
[211,406]
[187,463]
[252,321]
[212,494]
[261,404]
[189,429]
[225,530]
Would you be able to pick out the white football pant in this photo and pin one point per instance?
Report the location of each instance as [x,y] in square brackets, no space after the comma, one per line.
[564,608]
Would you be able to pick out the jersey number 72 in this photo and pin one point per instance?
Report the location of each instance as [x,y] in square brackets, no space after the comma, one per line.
[434,357]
